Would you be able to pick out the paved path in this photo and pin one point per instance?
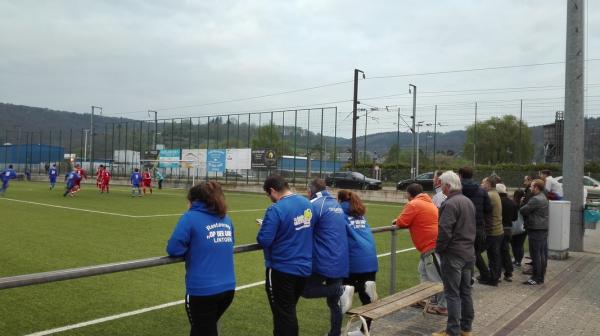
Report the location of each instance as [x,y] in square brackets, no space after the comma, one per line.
[567,304]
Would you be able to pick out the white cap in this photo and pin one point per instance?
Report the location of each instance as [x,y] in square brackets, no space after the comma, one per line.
[501,188]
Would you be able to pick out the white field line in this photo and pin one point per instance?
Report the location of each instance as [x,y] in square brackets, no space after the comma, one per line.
[149,309]
[112,213]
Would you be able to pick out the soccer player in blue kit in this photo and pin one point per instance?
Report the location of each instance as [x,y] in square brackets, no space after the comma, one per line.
[52,174]
[71,183]
[136,180]
[6,175]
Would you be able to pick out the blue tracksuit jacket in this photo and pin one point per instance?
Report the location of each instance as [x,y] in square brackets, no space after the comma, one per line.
[206,241]
[330,244]
[286,236]
[361,244]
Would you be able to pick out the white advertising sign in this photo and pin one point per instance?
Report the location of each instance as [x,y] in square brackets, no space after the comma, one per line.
[238,158]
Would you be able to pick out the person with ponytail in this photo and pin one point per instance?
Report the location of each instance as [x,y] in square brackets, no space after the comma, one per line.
[362,252]
[204,238]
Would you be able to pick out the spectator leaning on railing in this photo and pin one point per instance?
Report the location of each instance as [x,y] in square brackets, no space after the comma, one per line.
[420,217]
[330,263]
[204,237]
[286,236]
[361,251]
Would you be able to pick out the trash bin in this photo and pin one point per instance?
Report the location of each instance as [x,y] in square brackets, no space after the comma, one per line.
[591,216]
[559,229]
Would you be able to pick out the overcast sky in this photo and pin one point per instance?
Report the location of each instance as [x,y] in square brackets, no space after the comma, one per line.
[179,56]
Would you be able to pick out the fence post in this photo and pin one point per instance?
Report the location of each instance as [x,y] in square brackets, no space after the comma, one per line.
[393,261]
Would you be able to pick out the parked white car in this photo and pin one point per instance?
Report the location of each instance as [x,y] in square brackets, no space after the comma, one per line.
[591,185]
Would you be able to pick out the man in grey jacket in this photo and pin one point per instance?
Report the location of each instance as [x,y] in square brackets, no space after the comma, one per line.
[455,245]
[536,211]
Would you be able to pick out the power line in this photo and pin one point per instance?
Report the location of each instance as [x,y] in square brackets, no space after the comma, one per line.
[474,69]
[350,81]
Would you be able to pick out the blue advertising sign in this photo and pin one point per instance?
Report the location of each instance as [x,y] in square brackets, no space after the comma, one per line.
[215,160]
[169,158]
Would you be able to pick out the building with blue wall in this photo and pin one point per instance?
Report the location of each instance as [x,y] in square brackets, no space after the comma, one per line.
[30,154]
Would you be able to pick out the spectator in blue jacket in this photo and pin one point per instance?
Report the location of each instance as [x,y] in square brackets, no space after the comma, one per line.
[361,250]
[330,255]
[6,175]
[286,236]
[204,237]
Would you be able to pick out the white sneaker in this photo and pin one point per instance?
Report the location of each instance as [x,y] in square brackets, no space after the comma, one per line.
[371,290]
[356,332]
[346,299]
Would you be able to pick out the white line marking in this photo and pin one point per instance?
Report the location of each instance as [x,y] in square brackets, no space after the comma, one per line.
[68,208]
[113,213]
[149,309]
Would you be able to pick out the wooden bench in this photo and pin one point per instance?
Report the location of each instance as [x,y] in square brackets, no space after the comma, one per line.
[393,303]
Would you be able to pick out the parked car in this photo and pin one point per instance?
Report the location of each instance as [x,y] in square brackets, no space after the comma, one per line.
[233,175]
[352,180]
[590,184]
[425,180]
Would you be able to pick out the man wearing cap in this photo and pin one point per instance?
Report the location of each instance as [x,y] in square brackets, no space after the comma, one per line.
[510,212]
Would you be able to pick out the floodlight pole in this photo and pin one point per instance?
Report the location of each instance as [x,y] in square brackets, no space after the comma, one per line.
[419,124]
[85,141]
[413,170]
[155,136]
[92,137]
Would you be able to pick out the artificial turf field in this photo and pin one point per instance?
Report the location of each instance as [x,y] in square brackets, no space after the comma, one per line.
[35,237]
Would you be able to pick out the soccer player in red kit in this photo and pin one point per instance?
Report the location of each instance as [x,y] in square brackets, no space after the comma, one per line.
[147,180]
[82,175]
[105,180]
[99,176]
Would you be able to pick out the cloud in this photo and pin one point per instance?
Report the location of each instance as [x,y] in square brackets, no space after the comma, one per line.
[133,55]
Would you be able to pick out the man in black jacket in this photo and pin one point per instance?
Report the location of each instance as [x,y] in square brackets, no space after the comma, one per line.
[510,212]
[483,210]
[456,237]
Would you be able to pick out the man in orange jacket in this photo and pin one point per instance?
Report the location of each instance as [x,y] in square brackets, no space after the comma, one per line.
[420,217]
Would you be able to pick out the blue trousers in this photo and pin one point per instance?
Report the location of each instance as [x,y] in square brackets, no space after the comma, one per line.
[318,286]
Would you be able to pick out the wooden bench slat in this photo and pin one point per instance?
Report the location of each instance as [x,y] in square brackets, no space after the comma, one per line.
[394,297]
[400,304]
[398,301]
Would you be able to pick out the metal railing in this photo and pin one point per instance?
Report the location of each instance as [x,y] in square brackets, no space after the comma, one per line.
[88,271]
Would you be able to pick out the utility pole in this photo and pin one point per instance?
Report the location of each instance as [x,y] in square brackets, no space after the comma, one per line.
[573,149]
[398,147]
[92,138]
[434,136]
[365,148]
[475,139]
[155,128]
[355,116]
[520,145]
[413,158]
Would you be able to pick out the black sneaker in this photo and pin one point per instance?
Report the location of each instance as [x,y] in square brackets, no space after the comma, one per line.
[488,283]
[530,282]
[508,278]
